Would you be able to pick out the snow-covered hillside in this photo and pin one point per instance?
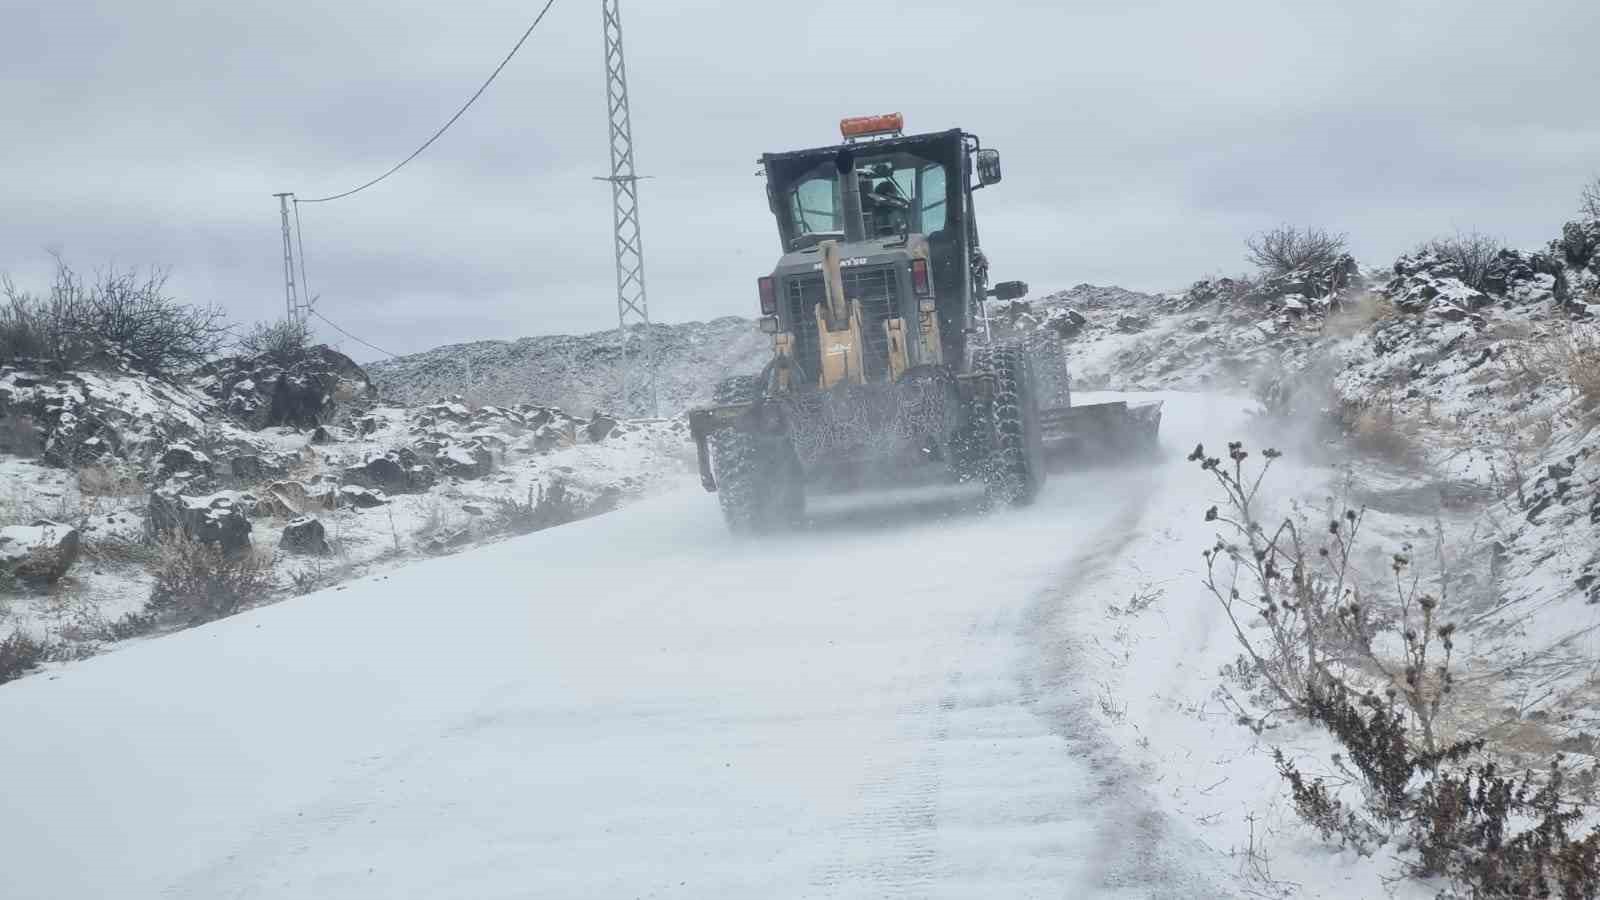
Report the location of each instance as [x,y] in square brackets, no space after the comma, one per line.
[577,372]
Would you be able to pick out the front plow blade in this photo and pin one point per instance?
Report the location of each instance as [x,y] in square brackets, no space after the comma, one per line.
[1102,430]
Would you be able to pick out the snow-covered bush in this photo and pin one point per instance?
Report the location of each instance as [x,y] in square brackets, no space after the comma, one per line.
[199,581]
[281,343]
[19,653]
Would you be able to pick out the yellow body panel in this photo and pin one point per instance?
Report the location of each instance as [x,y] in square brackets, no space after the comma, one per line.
[899,357]
[928,332]
[841,350]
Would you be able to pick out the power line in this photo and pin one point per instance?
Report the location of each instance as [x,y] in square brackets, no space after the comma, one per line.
[436,135]
[352,337]
[300,242]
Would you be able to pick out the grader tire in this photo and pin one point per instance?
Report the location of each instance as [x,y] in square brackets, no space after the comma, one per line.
[1015,471]
[759,482]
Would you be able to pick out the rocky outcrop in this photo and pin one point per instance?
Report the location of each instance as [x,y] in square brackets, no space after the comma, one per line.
[77,418]
[1426,282]
[396,472]
[222,518]
[261,392]
[468,461]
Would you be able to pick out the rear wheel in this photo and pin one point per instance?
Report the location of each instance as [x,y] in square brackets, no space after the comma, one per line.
[759,481]
[1048,356]
[1015,468]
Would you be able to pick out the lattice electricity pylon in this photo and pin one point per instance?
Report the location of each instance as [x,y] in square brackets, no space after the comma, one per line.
[293,309]
[638,363]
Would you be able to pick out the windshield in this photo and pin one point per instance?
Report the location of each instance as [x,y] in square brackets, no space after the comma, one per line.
[899,193]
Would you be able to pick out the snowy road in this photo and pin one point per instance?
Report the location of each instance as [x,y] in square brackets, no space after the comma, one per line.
[890,704]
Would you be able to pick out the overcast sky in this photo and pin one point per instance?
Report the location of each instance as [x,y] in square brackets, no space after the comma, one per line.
[1142,140]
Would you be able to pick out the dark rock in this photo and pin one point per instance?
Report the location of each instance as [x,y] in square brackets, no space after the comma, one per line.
[1066,321]
[453,409]
[548,438]
[494,443]
[1579,245]
[1313,281]
[361,498]
[367,425]
[397,472]
[468,461]
[305,535]
[220,519]
[40,553]
[447,540]
[1131,323]
[1526,277]
[184,458]
[321,435]
[253,468]
[600,427]
[1424,280]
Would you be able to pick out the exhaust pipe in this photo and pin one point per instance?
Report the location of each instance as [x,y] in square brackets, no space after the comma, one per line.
[855,226]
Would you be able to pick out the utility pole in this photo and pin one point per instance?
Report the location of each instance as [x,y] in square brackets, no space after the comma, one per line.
[637,364]
[291,294]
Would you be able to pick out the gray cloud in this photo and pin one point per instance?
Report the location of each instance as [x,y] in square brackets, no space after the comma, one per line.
[1143,140]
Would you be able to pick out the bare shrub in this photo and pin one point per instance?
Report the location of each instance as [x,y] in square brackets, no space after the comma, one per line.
[543,509]
[1577,352]
[1358,314]
[199,582]
[1378,429]
[120,311]
[26,331]
[108,480]
[1471,251]
[1589,200]
[283,343]
[1287,248]
[20,653]
[1318,658]
[116,549]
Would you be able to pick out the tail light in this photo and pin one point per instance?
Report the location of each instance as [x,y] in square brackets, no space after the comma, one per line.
[920,284]
[769,295]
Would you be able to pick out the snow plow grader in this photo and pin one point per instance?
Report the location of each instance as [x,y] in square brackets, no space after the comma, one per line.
[882,354]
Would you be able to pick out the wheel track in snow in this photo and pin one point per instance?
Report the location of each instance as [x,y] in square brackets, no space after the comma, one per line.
[900,808]
[1132,830]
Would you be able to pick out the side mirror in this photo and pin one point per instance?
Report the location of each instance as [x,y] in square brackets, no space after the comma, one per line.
[988,167]
[1009,290]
